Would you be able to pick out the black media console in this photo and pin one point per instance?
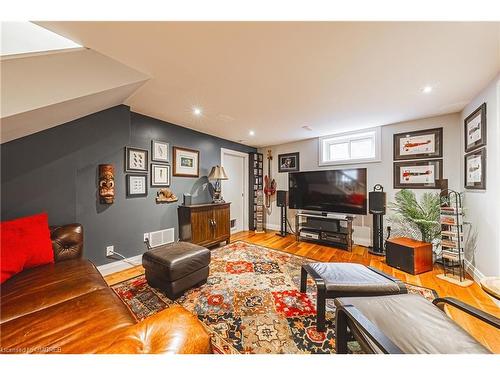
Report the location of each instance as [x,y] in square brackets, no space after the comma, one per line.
[330,229]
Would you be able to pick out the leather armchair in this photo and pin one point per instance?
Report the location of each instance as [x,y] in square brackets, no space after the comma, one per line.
[167,332]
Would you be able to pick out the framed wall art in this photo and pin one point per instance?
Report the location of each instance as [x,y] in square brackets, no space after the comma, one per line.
[475,170]
[159,151]
[475,129]
[418,174]
[160,175]
[137,185]
[136,160]
[421,144]
[186,162]
[288,162]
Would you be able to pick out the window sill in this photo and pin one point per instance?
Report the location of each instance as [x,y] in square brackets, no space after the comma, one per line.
[351,161]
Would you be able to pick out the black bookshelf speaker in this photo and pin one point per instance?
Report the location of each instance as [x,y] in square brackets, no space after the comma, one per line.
[377,202]
[282,198]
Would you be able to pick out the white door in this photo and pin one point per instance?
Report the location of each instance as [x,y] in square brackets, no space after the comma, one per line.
[235,189]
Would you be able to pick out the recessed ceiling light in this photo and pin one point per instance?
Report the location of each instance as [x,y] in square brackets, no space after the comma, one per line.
[196,111]
[251,132]
[427,89]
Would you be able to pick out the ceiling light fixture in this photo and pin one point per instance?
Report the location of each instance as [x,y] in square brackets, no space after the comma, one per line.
[251,132]
[427,89]
[197,111]
[306,127]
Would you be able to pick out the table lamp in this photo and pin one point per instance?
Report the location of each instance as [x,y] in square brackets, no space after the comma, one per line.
[217,173]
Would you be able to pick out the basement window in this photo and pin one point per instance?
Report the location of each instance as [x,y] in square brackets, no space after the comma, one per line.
[361,146]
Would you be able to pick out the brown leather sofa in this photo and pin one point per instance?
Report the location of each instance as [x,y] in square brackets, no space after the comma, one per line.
[67,307]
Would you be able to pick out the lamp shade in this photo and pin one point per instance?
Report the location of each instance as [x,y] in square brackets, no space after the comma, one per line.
[218,173]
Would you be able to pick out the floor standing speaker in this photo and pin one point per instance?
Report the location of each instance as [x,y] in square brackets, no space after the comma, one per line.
[376,205]
[377,202]
[282,202]
[282,198]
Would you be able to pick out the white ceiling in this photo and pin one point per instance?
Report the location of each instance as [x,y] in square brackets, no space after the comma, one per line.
[40,91]
[274,78]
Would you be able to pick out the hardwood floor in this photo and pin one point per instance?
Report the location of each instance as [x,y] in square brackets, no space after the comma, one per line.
[473,295]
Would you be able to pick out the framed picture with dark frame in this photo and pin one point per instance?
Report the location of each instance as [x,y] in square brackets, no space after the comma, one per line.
[421,174]
[420,144]
[475,129]
[186,162]
[288,162]
[136,160]
[160,175]
[137,185]
[475,170]
[159,151]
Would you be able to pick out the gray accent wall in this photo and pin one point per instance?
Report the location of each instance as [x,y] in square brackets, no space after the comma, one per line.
[56,171]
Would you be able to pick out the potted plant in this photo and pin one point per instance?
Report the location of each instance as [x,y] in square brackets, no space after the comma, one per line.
[417,219]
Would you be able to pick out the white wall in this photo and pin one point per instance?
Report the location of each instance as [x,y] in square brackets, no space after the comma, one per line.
[378,172]
[483,207]
[63,86]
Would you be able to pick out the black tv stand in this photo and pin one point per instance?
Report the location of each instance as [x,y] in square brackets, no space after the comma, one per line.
[330,229]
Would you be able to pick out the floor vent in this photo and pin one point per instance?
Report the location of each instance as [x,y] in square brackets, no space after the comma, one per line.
[161,237]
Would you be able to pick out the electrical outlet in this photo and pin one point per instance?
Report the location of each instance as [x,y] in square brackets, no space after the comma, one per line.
[146,237]
[110,250]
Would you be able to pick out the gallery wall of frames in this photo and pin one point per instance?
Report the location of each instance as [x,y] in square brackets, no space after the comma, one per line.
[115,171]
[418,159]
[475,137]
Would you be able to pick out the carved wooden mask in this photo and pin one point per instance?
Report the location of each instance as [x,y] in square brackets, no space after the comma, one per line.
[107,183]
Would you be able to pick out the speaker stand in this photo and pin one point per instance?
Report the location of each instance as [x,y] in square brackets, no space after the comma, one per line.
[378,235]
[283,229]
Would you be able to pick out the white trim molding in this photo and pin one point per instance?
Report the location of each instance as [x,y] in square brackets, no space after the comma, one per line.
[348,137]
[362,236]
[120,265]
[246,186]
[473,271]
[272,227]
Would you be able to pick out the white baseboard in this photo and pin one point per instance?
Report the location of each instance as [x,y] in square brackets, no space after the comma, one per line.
[120,265]
[273,227]
[361,236]
[473,271]
[477,276]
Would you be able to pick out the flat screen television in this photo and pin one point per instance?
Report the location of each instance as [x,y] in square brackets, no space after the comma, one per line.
[340,191]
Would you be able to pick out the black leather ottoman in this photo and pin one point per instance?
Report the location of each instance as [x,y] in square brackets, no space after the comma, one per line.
[176,267]
[335,280]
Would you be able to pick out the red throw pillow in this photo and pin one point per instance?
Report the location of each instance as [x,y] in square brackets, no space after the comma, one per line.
[12,257]
[25,243]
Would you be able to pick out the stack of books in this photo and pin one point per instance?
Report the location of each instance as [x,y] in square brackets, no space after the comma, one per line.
[452,240]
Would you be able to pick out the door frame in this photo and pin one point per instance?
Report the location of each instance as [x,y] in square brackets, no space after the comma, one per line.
[244,155]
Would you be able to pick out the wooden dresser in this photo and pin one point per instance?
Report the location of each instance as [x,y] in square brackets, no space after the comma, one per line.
[204,224]
[408,255]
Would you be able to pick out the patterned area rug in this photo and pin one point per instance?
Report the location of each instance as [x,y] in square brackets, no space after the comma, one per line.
[251,303]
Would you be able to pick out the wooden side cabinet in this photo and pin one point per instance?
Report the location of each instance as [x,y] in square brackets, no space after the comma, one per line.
[204,224]
[409,255]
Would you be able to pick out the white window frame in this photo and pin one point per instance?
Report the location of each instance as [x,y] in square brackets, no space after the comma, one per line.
[349,137]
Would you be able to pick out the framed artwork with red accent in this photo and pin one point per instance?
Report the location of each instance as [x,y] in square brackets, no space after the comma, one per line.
[418,174]
[420,144]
